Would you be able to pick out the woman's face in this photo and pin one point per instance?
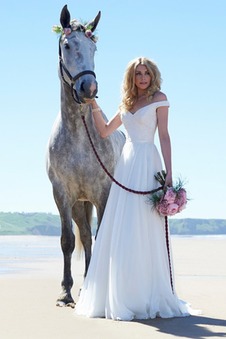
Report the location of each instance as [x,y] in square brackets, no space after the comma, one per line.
[142,77]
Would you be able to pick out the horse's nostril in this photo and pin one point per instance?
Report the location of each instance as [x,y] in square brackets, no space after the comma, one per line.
[88,89]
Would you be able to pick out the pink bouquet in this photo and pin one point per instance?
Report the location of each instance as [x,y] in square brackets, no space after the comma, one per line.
[170,200]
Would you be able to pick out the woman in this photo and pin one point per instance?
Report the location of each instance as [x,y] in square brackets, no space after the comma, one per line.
[129,276]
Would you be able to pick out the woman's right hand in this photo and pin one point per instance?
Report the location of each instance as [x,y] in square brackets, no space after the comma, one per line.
[91,102]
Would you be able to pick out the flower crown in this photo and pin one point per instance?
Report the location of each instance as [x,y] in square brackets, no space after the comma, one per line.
[75,26]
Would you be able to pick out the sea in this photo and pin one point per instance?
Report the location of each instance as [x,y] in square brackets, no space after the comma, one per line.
[18,253]
[21,253]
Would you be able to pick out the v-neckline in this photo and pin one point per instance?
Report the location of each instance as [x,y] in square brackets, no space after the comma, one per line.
[152,103]
[142,107]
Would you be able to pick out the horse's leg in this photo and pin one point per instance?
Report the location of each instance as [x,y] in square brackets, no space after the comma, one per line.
[100,207]
[82,215]
[67,245]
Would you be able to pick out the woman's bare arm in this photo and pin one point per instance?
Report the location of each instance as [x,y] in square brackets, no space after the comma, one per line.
[104,128]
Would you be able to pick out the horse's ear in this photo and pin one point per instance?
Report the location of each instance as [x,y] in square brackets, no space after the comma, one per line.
[65,17]
[93,24]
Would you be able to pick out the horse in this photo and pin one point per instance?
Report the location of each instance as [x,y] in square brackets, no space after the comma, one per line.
[78,181]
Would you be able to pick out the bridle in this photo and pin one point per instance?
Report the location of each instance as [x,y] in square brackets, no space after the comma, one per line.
[63,69]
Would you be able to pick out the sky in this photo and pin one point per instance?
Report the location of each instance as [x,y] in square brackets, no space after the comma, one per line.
[187,41]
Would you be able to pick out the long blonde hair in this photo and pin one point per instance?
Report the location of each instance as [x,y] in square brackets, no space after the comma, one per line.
[129,90]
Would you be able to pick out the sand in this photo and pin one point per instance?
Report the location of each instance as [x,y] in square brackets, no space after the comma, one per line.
[28,311]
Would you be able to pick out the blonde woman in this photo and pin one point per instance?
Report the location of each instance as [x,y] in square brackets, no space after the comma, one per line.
[129,274]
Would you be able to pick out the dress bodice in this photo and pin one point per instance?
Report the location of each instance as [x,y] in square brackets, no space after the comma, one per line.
[141,126]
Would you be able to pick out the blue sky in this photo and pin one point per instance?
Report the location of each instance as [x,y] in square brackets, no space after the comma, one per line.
[187,41]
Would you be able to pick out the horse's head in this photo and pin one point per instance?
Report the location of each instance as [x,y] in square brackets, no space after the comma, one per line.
[76,53]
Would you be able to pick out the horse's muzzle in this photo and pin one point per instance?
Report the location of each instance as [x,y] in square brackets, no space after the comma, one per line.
[87,90]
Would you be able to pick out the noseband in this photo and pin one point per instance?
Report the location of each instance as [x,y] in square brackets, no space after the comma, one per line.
[63,69]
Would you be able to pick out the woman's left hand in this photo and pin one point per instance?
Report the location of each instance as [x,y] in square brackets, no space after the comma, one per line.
[168,180]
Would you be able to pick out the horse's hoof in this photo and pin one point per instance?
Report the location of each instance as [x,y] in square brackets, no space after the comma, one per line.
[65,299]
[72,305]
[61,303]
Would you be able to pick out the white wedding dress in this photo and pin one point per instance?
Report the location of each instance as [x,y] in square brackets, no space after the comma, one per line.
[129,276]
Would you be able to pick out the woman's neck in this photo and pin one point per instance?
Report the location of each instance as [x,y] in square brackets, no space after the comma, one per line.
[141,96]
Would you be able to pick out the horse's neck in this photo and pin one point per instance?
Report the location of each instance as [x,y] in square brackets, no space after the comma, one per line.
[71,111]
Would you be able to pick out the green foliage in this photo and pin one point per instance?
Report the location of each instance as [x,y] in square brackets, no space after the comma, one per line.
[29,223]
[57,29]
[49,224]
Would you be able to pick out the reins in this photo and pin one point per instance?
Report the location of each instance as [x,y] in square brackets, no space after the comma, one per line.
[136,192]
[168,251]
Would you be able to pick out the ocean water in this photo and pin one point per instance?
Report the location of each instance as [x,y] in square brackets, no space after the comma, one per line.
[18,253]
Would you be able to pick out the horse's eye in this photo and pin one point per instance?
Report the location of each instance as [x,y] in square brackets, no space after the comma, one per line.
[66,44]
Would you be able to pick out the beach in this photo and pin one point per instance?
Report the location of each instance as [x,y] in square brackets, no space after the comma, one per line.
[30,285]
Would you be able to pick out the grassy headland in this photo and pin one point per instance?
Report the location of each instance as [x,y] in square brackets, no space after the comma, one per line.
[15,223]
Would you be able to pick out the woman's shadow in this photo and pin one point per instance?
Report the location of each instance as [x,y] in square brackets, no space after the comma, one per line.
[197,327]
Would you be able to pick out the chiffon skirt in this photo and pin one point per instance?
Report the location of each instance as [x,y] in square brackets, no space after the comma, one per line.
[129,274]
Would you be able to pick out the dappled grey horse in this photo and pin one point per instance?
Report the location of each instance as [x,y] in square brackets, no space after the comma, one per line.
[78,180]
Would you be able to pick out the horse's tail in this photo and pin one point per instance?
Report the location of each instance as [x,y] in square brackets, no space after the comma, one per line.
[79,246]
[79,249]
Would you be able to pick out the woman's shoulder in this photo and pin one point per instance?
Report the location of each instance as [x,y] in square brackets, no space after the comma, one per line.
[159,96]
[160,100]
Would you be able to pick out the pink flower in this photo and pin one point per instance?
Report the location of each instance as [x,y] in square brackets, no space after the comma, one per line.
[88,33]
[181,198]
[182,207]
[170,195]
[172,202]
[172,209]
[162,207]
[67,31]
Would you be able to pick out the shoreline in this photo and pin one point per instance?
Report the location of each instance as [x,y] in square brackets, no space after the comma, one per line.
[32,253]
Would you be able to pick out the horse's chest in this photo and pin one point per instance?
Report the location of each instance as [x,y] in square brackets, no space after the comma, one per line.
[75,163]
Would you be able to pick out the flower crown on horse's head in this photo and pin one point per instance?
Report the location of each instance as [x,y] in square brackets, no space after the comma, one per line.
[68,26]
[75,26]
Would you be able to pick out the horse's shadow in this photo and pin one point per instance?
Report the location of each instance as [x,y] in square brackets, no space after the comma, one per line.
[187,327]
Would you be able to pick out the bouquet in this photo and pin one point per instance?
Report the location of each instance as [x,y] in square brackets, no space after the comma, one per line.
[169,200]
